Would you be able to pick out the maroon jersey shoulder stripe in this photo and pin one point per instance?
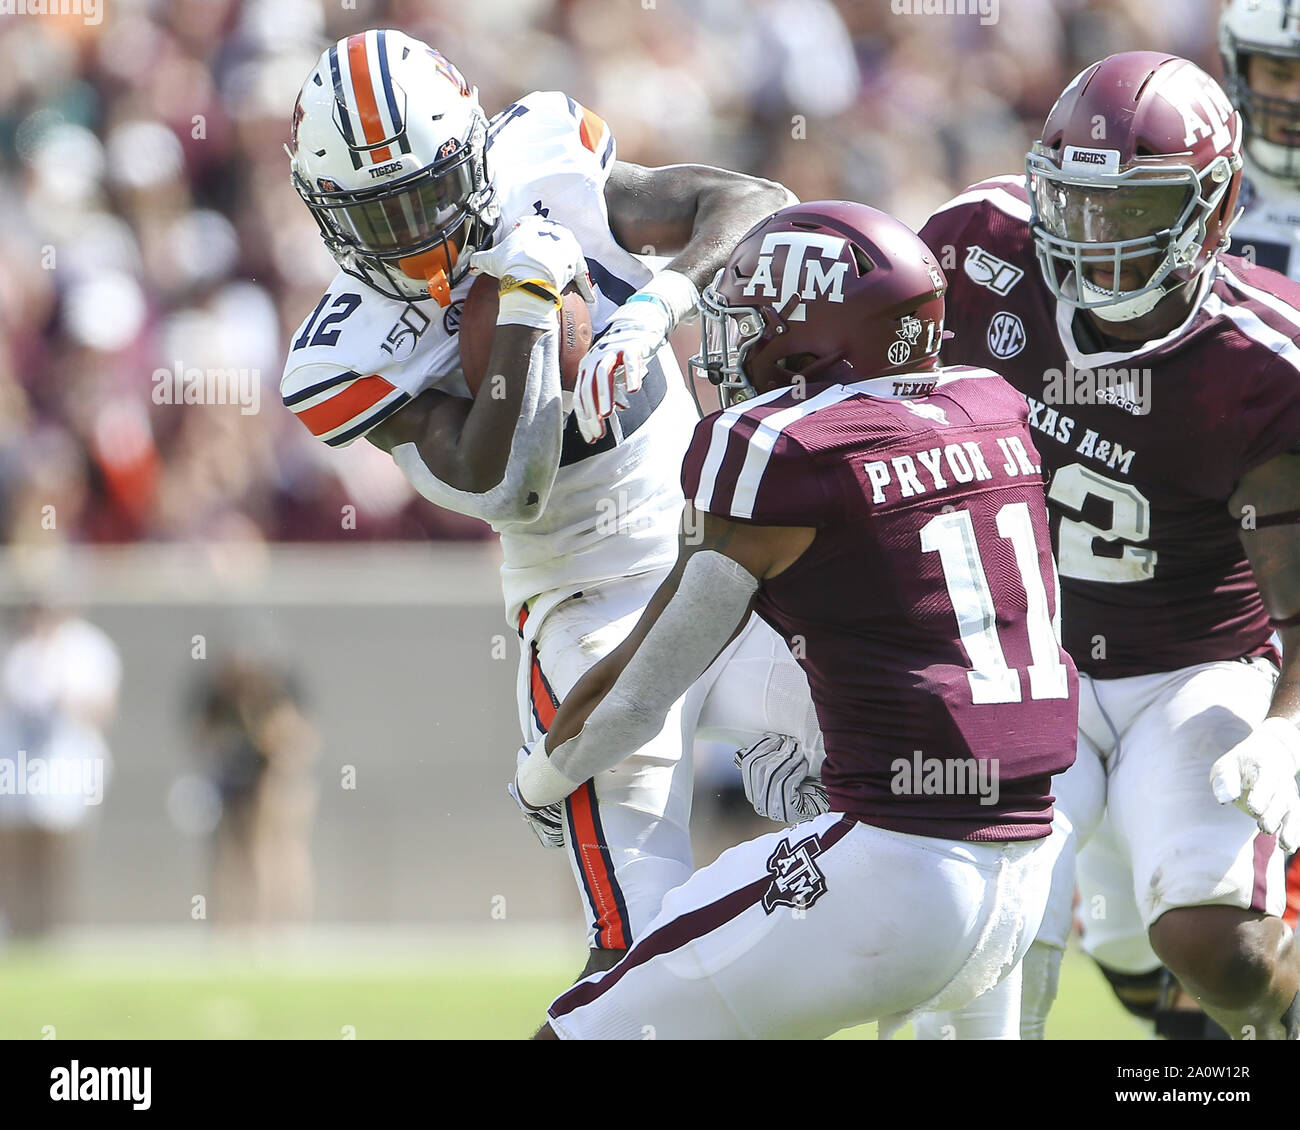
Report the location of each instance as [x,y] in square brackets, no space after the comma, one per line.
[713,462]
[742,447]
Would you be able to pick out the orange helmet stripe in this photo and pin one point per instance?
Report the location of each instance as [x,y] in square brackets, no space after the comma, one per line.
[364,93]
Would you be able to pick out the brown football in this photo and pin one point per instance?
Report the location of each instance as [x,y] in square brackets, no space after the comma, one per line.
[478,320]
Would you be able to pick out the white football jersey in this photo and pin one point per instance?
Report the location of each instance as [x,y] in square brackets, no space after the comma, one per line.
[1268,232]
[359,356]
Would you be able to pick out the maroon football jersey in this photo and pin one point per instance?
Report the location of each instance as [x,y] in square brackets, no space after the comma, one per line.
[923,612]
[1142,450]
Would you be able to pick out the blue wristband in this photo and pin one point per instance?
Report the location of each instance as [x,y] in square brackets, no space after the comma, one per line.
[639,297]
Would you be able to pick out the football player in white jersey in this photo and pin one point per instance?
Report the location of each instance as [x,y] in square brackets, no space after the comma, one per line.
[415,190]
[1259,44]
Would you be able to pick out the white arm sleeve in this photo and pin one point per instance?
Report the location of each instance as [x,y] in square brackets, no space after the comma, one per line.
[534,458]
[711,601]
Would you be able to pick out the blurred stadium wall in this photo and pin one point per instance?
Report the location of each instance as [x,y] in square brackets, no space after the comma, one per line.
[408,678]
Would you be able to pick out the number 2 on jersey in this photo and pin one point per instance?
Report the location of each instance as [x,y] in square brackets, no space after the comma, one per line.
[1130,526]
[952,537]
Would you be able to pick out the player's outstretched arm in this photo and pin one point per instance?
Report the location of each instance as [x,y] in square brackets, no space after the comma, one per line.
[496,457]
[1259,773]
[696,212]
[621,703]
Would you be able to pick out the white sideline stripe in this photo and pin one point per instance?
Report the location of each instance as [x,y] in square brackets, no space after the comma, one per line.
[759,450]
[1259,331]
[1277,305]
[718,445]
[998,197]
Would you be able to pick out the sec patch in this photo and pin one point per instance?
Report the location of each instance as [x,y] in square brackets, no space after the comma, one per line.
[1006,335]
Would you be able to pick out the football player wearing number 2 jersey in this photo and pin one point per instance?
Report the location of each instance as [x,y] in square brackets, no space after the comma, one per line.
[1259,46]
[1163,379]
[415,191]
[892,515]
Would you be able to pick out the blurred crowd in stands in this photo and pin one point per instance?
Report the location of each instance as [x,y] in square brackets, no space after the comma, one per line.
[148,223]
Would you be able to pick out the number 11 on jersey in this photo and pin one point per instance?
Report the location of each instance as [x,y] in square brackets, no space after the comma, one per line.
[952,537]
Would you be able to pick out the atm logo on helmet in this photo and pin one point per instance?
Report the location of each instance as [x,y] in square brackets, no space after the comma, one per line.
[813,269]
[1205,109]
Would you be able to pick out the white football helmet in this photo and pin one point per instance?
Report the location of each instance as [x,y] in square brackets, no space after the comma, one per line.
[1270,28]
[388,151]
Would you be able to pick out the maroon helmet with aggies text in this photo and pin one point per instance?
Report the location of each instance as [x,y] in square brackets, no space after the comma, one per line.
[1133,186]
[815,285]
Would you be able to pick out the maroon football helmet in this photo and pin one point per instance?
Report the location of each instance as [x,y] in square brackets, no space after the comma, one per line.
[1133,186]
[816,287]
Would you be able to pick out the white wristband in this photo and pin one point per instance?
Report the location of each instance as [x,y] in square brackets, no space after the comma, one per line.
[519,308]
[539,782]
[674,291]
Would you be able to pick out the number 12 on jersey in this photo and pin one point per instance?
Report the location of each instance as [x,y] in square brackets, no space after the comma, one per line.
[952,537]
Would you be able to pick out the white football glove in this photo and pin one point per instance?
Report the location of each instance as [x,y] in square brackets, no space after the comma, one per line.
[547,822]
[615,366]
[1258,774]
[777,780]
[537,249]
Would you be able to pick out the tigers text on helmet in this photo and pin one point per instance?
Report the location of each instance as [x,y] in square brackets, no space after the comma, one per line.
[817,286]
[1270,31]
[1133,186]
[387,150]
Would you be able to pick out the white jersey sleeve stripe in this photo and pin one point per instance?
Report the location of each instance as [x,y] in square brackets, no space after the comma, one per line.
[759,451]
[713,460]
[1256,330]
[292,400]
[1283,309]
[718,444]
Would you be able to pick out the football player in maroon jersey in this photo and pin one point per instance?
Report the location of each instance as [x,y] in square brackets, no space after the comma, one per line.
[887,517]
[1163,380]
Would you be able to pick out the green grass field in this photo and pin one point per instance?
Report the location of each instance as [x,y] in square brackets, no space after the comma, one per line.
[449,994]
